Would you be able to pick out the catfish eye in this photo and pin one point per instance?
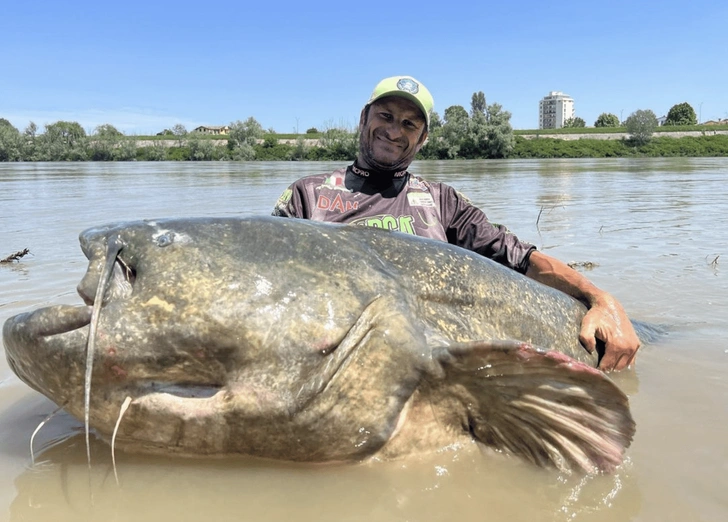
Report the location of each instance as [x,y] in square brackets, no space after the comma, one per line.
[163,240]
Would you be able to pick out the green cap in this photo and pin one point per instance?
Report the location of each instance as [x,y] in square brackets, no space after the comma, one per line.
[406,87]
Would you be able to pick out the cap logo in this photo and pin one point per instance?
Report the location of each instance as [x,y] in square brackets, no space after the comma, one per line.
[408,85]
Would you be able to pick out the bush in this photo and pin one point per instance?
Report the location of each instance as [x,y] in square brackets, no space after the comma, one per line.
[607,119]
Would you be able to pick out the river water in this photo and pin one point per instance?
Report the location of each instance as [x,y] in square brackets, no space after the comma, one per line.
[656,231]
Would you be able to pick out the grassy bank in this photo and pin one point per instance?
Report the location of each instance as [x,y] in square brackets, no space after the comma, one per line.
[659,146]
[666,129]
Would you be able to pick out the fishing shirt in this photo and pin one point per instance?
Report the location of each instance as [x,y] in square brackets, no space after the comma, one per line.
[405,203]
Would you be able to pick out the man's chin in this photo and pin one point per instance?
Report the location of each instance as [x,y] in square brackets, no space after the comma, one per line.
[386,162]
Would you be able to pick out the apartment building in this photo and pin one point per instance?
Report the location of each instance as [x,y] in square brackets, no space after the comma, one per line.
[554,110]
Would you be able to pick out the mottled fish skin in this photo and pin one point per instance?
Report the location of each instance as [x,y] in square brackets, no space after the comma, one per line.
[303,341]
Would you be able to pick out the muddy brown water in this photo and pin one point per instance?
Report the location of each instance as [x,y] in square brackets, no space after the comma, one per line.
[655,231]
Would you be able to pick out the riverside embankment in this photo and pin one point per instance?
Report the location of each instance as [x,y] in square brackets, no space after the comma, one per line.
[530,136]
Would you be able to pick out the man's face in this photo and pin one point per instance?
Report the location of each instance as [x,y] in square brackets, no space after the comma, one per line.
[391,133]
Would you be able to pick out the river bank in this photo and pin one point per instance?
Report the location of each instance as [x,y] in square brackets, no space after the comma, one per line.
[344,147]
[315,142]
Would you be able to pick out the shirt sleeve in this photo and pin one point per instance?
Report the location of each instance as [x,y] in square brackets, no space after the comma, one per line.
[467,226]
[293,202]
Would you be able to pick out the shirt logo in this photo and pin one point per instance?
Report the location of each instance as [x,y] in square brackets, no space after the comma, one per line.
[335,182]
[336,204]
[365,174]
[420,199]
[405,224]
[418,184]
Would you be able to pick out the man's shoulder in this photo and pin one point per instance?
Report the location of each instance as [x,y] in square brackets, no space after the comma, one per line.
[319,179]
[416,181]
[448,192]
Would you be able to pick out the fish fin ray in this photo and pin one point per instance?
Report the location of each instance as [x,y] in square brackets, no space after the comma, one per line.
[541,405]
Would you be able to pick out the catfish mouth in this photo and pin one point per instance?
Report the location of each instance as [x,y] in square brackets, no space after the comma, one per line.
[96,289]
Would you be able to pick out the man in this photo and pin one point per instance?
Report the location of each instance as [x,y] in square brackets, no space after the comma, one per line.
[377,190]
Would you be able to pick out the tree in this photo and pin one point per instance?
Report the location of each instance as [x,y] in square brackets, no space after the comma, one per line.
[486,134]
[455,113]
[681,114]
[107,131]
[299,150]
[11,142]
[489,135]
[452,135]
[179,130]
[640,125]
[31,130]
[312,130]
[607,119]
[477,103]
[29,142]
[270,140]
[500,139]
[201,150]
[126,150]
[157,152]
[105,144]
[6,124]
[339,143]
[69,133]
[576,122]
[62,141]
[435,121]
[243,137]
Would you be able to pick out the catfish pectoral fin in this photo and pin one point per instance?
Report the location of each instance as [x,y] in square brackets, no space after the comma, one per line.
[540,405]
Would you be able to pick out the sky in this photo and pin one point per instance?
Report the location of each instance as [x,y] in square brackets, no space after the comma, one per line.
[146,66]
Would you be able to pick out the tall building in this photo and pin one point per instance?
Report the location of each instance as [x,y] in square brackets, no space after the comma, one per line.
[554,110]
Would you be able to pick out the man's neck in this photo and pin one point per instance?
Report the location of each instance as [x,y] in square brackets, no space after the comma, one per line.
[388,184]
[374,174]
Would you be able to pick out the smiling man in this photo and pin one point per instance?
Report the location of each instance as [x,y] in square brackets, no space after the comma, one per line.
[378,191]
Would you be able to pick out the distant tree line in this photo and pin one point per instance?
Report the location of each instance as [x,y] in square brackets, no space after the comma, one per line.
[483,132]
[67,141]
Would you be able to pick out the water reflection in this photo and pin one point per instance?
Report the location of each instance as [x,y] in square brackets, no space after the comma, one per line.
[61,487]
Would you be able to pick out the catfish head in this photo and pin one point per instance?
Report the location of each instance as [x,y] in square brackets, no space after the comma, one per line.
[217,328]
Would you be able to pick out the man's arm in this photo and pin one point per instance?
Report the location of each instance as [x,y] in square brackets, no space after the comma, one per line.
[605,320]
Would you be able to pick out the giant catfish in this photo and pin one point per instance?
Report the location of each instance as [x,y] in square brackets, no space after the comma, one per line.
[310,342]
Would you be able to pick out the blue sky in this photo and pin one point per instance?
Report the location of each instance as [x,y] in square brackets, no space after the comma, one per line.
[146,66]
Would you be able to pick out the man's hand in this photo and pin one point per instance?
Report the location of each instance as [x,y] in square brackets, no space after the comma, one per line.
[605,320]
[608,322]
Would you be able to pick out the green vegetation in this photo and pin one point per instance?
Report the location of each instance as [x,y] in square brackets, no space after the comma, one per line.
[607,119]
[574,123]
[483,132]
[681,114]
[662,146]
[640,126]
